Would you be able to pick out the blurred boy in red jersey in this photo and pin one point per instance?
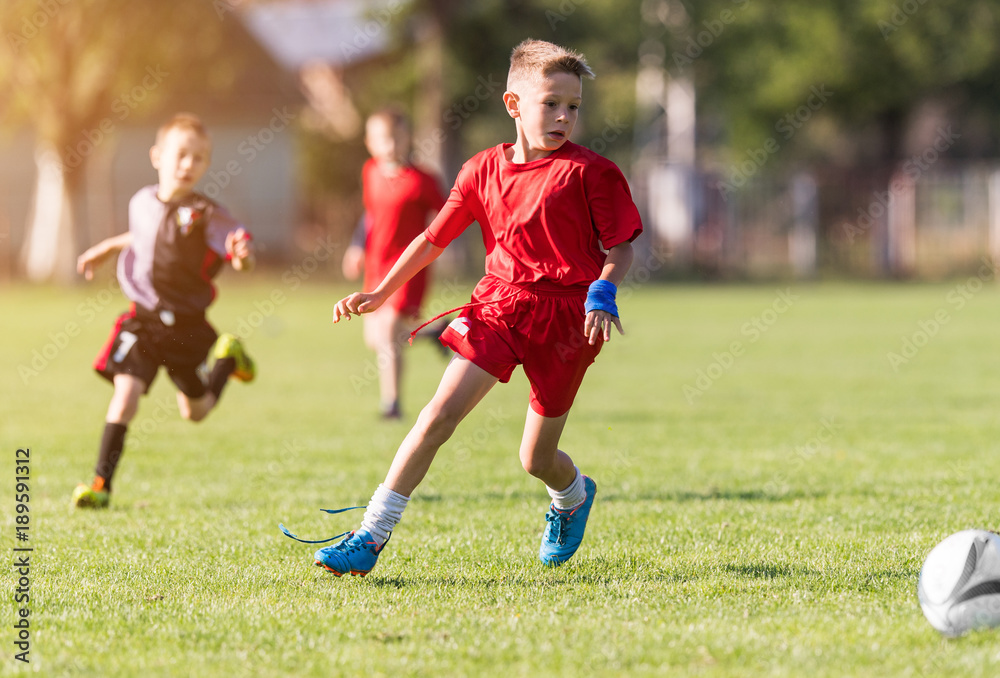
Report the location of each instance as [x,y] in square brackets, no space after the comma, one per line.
[399,199]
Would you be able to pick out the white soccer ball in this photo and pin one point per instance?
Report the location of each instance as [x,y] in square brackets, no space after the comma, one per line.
[959,588]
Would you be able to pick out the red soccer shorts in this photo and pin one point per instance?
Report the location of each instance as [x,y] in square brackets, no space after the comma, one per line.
[539,327]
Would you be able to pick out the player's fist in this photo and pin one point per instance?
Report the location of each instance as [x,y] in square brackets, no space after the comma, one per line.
[238,243]
[239,248]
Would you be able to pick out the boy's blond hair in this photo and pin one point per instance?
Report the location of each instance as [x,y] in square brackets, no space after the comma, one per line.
[188,121]
[536,59]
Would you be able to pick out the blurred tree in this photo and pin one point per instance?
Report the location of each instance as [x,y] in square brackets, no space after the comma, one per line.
[71,71]
[461,108]
[856,76]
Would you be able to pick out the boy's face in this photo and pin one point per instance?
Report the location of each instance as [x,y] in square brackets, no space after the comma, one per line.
[546,110]
[181,160]
[389,144]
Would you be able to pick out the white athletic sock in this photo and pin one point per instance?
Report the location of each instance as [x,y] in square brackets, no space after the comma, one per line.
[384,512]
[572,496]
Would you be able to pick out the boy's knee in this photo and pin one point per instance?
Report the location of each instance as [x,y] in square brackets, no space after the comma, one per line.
[439,423]
[193,415]
[538,462]
[535,466]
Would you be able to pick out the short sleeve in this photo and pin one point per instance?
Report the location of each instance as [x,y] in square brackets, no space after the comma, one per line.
[612,209]
[456,214]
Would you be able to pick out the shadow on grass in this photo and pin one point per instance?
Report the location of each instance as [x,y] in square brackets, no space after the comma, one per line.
[712,494]
[614,495]
[768,570]
[599,571]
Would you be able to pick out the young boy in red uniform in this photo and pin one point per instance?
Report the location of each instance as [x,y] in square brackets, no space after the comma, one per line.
[177,242]
[399,198]
[548,210]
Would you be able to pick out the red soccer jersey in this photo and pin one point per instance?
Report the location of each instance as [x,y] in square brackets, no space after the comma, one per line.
[397,209]
[544,220]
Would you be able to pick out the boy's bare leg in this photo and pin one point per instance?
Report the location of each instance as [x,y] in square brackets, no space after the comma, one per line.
[121,410]
[195,409]
[384,334]
[540,454]
[125,400]
[571,492]
[463,385]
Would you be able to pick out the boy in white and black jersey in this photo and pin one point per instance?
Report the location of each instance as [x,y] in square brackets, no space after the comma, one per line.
[177,241]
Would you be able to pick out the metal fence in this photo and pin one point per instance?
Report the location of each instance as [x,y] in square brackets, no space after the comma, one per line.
[876,223]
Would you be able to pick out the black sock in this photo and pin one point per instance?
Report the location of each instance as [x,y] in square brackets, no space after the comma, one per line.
[219,377]
[112,446]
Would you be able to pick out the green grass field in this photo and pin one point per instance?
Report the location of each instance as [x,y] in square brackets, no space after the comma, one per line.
[769,485]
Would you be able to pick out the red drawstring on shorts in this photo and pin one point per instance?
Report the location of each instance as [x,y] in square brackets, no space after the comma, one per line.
[459,308]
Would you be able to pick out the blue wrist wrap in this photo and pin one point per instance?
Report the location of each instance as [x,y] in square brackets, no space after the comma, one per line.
[601,297]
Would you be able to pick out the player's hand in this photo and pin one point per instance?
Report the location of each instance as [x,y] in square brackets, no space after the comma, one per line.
[86,261]
[355,304]
[598,326]
[354,261]
[239,246]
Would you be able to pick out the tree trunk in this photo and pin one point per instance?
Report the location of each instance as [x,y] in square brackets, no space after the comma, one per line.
[49,250]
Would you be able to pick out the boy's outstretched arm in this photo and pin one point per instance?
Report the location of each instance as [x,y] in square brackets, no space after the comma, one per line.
[598,321]
[418,254]
[239,247]
[95,255]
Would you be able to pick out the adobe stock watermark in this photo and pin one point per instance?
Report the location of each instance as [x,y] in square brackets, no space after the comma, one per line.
[224,7]
[456,115]
[786,127]
[613,129]
[74,155]
[804,454]
[563,12]
[289,456]
[751,331]
[249,148]
[640,274]
[698,42]
[245,327]
[928,328]
[377,15]
[901,13]
[447,297]
[463,445]
[380,16]
[59,340]
[292,278]
[33,23]
[910,171]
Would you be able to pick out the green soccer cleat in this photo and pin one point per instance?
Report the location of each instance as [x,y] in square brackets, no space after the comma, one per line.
[228,346]
[85,496]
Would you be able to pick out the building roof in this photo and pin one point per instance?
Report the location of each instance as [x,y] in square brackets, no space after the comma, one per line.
[335,32]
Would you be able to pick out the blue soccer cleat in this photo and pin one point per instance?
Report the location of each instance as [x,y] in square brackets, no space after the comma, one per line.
[356,554]
[564,531]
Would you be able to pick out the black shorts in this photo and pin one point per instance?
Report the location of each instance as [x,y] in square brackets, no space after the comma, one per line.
[141,341]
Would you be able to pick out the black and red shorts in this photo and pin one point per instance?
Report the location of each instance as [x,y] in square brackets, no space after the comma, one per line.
[143,340]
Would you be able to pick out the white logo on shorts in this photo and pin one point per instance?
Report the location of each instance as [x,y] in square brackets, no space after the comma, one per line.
[460,325]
